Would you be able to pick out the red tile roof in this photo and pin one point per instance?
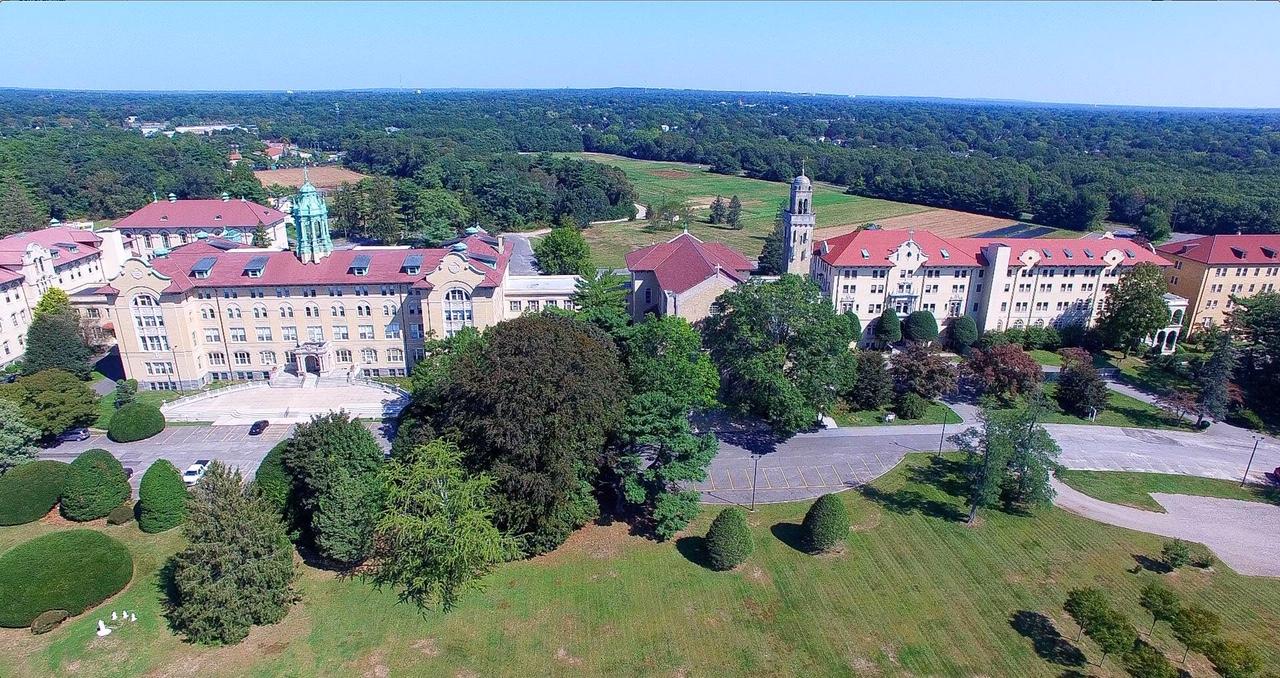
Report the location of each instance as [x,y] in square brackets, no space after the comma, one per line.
[846,250]
[54,238]
[210,214]
[685,261]
[283,267]
[1228,249]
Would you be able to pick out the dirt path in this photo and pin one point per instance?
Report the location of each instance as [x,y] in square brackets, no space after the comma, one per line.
[1245,535]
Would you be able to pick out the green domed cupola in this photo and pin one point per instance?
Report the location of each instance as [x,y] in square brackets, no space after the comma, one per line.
[311,216]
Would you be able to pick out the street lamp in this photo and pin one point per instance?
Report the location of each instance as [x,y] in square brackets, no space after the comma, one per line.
[755,473]
[1256,439]
[943,437]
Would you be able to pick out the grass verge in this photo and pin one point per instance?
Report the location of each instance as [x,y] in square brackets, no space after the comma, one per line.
[933,415]
[1134,489]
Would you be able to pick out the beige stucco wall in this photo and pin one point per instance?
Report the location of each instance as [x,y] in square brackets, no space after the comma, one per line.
[1209,288]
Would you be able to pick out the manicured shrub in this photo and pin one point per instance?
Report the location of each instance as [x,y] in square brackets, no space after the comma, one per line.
[888,327]
[911,406]
[825,525]
[135,421]
[95,484]
[729,539]
[1176,553]
[71,570]
[48,620]
[29,491]
[920,327]
[1201,556]
[964,334]
[162,498]
[121,514]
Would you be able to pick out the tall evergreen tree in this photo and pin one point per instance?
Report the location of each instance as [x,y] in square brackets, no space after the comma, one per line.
[384,222]
[19,211]
[602,301]
[718,211]
[733,215]
[237,569]
[1214,377]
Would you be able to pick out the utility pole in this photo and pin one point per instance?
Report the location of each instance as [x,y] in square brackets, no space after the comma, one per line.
[1256,439]
[943,437]
[755,473]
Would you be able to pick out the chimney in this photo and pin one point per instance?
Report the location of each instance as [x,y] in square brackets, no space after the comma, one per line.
[173,198]
[226,196]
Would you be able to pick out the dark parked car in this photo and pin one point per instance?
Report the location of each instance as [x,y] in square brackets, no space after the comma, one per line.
[258,427]
[75,434]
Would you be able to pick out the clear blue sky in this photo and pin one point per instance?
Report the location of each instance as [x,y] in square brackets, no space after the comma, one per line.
[1183,54]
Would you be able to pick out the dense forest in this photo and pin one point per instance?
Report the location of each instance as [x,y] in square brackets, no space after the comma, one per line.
[1192,170]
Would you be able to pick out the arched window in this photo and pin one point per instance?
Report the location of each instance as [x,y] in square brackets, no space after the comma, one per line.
[368,355]
[313,311]
[388,309]
[338,311]
[1177,317]
[207,313]
[259,311]
[457,311]
[364,311]
[1017,323]
[286,311]
[233,311]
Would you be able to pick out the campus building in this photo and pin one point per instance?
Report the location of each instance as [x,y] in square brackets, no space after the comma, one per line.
[218,309]
[164,225]
[683,277]
[1002,283]
[71,259]
[1212,270]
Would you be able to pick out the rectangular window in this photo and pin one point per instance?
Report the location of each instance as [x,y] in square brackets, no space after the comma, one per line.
[515,306]
[289,333]
[341,333]
[212,335]
[263,333]
[366,331]
[315,333]
[238,334]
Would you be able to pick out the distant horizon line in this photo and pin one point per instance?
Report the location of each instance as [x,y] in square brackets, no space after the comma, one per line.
[692,90]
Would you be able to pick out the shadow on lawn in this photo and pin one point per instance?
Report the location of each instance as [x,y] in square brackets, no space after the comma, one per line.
[1048,643]
[1150,564]
[946,475]
[791,535]
[694,550]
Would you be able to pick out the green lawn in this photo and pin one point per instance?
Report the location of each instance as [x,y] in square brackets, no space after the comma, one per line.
[1138,373]
[916,593]
[760,202]
[1122,410]
[1134,489]
[107,406]
[933,415]
[1045,357]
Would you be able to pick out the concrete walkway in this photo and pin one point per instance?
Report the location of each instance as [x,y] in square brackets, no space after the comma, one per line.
[1244,535]
[237,405]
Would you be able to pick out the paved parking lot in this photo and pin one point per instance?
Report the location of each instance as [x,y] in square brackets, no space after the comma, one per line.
[183,445]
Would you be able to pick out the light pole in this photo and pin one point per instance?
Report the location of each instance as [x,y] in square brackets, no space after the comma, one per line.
[755,472]
[1256,439]
[943,437]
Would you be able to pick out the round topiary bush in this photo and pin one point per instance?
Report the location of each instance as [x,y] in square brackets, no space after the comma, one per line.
[135,421]
[72,570]
[826,524]
[121,514]
[729,539]
[920,327]
[911,406]
[30,491]
[162,498]
[95,484]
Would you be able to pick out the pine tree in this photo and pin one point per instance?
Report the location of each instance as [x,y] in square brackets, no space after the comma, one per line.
[733,216]
[1214,377]
[237,569]
[718,211]
[384,223]
[260,237]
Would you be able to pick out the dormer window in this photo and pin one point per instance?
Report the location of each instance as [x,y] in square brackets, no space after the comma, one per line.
[412,264]
[201,268]
[360,265]
[945,254]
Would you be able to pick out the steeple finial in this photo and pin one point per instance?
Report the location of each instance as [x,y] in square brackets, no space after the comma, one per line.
[305,178]
[802,173]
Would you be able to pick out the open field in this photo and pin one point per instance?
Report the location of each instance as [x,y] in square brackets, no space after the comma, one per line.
[694,184]
[1134,489]
[915,593]
[838,212]
[321,177]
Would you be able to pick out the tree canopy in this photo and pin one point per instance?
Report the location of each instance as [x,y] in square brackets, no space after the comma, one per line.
[1135,307]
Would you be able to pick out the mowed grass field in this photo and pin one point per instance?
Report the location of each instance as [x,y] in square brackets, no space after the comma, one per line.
[914,593]
[697,186]
[1134,489]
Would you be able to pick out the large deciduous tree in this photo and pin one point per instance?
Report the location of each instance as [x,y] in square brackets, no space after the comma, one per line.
[533,407]
[923,371]
[52,401]
[1010,459]
[563,252]
[872,386]
[19,210]
[602,301]
[237,569]
[1135,308]
[435,537]
[778,346]
[1005,371]
[54,338]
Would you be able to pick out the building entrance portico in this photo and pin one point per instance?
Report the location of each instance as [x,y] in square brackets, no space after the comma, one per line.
[314,357]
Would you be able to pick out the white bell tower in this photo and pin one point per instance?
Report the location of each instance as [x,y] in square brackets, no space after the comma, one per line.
[797,226]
